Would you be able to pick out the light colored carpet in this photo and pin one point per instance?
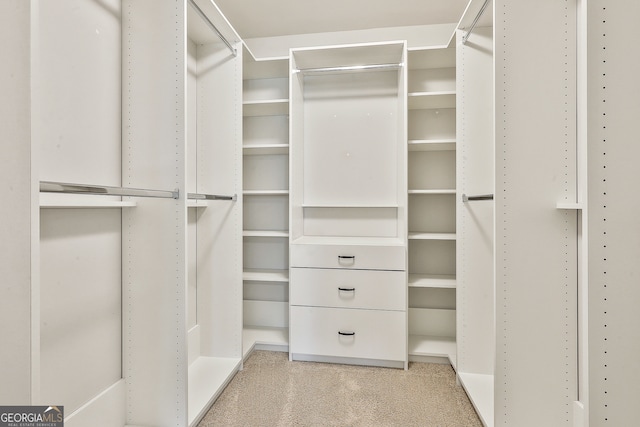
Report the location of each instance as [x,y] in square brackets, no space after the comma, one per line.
[272,391]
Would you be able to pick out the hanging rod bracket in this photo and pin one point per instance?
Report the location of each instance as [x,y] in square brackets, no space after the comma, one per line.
[466,198]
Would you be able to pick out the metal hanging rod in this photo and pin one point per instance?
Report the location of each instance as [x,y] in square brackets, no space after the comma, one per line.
[213,27]
[199,196]
[475,21]
[349,68]
[63,187]
[466,198]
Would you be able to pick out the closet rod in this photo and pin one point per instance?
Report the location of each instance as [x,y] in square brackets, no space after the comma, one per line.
[63,187]
[213,27]
[199,196]
[349,68]
[466,198]
[475,21]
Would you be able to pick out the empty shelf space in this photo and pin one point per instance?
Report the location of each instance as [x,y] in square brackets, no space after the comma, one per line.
[208,376]
[265,233]
[432,281]
[263,275]
[432,144]
[271,338]
[255,150]
[479,388]
[431,346]
[431,236]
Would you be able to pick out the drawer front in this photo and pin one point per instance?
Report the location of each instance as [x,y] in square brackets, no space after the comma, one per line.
[370,289]
[337,332]
[348,256]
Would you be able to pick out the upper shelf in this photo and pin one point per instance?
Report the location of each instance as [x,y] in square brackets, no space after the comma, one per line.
[432,100]
[270,107]
[349,55]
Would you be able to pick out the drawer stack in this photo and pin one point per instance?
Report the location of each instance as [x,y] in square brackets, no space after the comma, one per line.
[348,304]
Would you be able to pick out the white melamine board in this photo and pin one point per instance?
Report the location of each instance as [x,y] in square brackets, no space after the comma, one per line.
[612,230]
[432,124]
[80,302]
[431,145]
[271,107]
[192,268]
[266,313]
[475,171]
[354,134]
[431,79]
[266,172]
[208,376]
[19,210]
[105,410]
[266,213]
[200,31]
[266,291]
[417,36]
[271,253]
[349,55]
[434,213]
[263,337]
[154,234]
[192,116]
[267,68]
[432,170]
[480,389]
[432,58]
[535,243]
[431,346]
[432,322]
[265,130]
[264,233]
[429,297]
[431,100]
[219,226]
[371,222]
[265,89]
[432,280]
[77,86]
[432,257]
[265,275]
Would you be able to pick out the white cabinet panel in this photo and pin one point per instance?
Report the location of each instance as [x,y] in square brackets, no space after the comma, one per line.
[348,256]
[349,288]
[371,334]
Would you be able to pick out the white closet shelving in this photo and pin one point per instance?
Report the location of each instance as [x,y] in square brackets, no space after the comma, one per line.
[348,204]
[432,207]
[266,202]
[116,282]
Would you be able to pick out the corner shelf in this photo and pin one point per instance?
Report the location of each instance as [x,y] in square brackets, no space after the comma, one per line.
[265,149]
[265,192]
[435,191]
[444,281]
[431,100]
[265,275]
[432,144]
[264,233]
[432,346]
[270,107]
[431,236]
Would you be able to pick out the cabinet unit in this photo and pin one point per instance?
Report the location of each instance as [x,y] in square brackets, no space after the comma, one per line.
[266,202]
[348,204]
[120,273]
[432,203]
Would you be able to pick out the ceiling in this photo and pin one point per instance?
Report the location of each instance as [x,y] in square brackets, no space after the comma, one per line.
[267,18]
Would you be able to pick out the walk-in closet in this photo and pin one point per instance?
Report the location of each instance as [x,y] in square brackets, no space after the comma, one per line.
[187,181]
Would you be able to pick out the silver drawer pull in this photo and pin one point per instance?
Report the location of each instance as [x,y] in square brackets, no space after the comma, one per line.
[347,289]
[353,257]
[349,333]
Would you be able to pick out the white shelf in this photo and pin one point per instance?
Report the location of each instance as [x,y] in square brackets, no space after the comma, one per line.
[255,150]
[432,145]
[265,192]
[71,201]
[271,107]
[431,100]
[254,337]
[264,275]
[479,388]
[207,378]
[431,236]
[447,281]
[308,205]
[353,241]
[264,233]
[420,345]
[435,191]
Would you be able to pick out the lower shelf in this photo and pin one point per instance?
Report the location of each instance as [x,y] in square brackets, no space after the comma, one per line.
[479,388]
[258,337]
[208,376]
[421,345]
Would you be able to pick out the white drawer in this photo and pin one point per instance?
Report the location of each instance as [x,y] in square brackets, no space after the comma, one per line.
[348,256]
[337,332]
[370,289]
